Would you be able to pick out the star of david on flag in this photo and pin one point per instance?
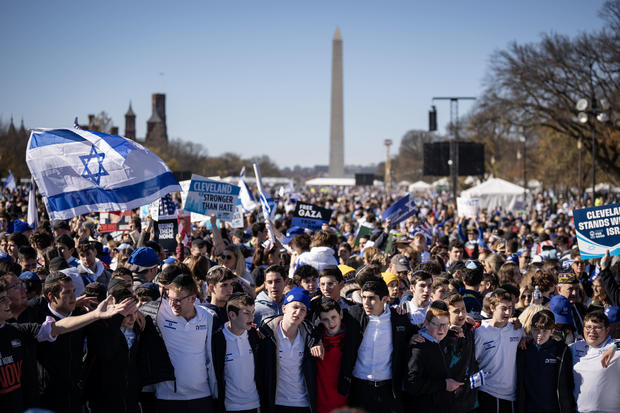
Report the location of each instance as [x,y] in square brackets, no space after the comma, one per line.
[98,157]
[400,210]
[79,171]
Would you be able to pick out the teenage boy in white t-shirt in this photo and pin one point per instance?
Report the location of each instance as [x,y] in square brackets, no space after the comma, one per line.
[421,284]
[496,342]
[234,351]
[288,379]
[187,331]
[596,388]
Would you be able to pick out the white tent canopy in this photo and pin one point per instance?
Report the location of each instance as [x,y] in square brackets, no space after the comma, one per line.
[331,182]
[420,186]
[496,192]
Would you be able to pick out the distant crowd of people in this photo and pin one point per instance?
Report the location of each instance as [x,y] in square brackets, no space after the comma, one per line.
[496,312]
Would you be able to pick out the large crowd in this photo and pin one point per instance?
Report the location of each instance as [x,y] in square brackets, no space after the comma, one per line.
[438,313]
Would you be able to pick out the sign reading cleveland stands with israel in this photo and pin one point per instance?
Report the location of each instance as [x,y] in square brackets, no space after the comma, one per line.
[598,230]
[310,216]
[206,196]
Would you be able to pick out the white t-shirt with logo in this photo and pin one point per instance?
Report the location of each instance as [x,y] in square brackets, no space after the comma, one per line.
[240,390]
[496,352]
[291,389]
[597,389]
[186,345]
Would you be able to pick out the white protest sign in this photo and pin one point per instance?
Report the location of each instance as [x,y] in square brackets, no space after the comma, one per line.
[207,196]
[467,208]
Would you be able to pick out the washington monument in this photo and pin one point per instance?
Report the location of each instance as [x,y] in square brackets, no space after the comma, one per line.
[336,135]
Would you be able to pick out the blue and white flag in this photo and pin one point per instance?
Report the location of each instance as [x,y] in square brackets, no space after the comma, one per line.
[81,171]
[248,202]
[400,210]
[33,213]
[10,182]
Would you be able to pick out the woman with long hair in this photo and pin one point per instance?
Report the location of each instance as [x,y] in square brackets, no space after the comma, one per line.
[233,259]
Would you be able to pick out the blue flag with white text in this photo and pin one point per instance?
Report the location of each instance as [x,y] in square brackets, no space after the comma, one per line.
[80,171]
[400,210]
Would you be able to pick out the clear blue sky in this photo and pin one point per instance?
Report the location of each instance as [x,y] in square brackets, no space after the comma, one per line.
[253,77]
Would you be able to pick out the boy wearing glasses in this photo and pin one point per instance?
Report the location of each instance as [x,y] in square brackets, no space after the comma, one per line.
[428,382]
[496,342]
[186,329]
[596,388]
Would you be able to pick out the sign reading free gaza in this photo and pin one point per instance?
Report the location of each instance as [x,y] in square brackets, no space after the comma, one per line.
[310,216]
[598,230]
[206,196]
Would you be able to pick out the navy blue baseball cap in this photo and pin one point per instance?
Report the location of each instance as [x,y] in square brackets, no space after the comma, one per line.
[298,294]
[560,306]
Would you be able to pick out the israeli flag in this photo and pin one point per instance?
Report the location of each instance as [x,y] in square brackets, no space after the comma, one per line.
[400,210]
[248,202]
[80,171]
[10,182]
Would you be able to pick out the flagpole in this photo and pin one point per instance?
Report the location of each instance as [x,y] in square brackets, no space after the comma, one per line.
[263,201]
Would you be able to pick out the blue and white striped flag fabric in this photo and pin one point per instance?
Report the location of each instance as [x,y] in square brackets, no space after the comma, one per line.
[248,202]
[400,210]
[10,182]
[81,171]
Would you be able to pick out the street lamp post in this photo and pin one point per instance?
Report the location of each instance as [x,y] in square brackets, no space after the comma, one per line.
[388,164]
[522,140]
[588,110]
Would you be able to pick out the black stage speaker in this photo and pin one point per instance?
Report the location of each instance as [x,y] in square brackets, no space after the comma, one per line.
[437,155]
[364,179]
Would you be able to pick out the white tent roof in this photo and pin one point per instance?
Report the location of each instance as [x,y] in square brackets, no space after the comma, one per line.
[493,186]
[331,182]
[420,186]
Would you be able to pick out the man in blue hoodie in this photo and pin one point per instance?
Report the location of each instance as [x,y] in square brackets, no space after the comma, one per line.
[269,301]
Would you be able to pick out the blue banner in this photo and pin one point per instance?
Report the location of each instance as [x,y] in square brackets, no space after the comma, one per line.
[598,230]
[400,210]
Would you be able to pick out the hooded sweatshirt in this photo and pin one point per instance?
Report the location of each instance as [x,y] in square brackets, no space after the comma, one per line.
[265,307]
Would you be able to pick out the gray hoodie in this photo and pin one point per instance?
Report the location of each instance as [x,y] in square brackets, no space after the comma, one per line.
[265,307]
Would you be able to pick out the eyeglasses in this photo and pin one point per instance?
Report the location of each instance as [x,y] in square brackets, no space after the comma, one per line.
[5,300]
[19,284]
[593,328]
[441,325]
[227,257]
[177,301]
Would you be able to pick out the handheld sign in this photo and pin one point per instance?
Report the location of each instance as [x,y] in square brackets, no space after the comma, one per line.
[165,234]
[206,196]
[114,221]
[598,230]
[310,216]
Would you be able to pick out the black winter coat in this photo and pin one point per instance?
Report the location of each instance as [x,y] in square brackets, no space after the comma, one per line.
[565,382]
[402,330]
[426,378]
